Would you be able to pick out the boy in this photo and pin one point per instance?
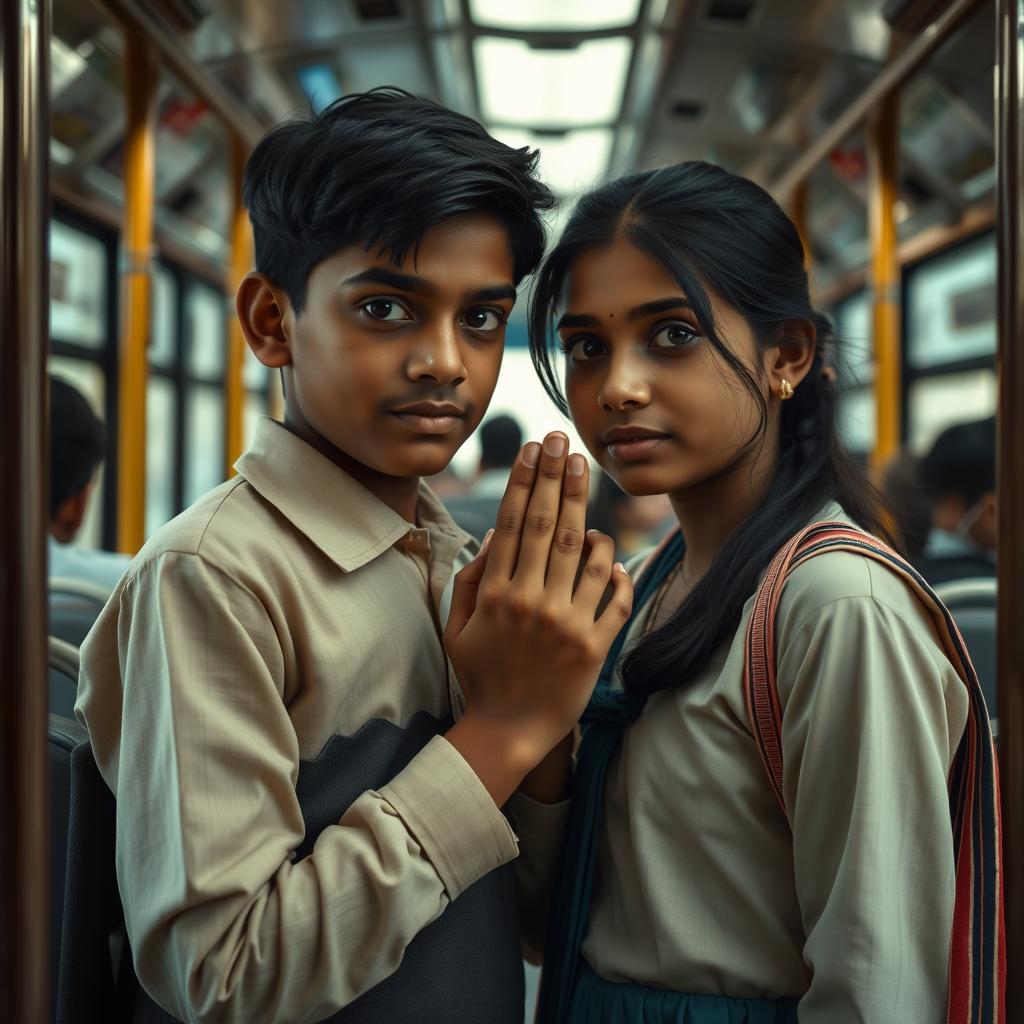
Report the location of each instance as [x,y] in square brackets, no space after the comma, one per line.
[266,693]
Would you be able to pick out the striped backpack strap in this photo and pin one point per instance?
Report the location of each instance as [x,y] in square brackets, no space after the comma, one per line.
[977,972]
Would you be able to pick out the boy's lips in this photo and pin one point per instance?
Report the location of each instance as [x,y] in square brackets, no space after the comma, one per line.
[430,417]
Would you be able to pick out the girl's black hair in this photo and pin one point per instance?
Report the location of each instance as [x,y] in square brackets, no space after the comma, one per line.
[713,230]
[381,168]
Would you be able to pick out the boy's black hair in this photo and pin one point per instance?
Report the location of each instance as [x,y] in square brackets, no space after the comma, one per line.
[962,461]
[77,440]
[381,168]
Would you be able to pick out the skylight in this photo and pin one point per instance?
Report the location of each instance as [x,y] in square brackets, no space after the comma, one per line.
[579,15]
[521,85]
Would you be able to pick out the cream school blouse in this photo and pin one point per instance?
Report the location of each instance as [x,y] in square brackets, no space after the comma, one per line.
[702,887]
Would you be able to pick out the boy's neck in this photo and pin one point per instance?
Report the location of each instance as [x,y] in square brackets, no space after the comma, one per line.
[400,493]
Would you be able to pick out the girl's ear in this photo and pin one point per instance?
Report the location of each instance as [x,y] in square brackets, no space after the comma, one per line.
[263,311]
[791,355]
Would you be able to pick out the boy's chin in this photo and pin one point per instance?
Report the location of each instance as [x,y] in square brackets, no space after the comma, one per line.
[427,462]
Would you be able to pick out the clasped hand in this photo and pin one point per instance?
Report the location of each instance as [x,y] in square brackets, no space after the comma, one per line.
[534,614]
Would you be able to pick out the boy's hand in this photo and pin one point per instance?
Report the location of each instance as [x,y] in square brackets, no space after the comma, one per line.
[525,637]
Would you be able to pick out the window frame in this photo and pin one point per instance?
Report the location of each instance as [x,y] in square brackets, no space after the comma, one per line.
[106,357]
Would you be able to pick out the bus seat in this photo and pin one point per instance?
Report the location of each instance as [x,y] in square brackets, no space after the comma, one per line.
[63,677]
[63,735]
[972,603]
[74,607]
[93,924]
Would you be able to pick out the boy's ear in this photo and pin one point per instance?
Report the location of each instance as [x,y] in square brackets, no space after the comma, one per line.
[792,355]
[262,309]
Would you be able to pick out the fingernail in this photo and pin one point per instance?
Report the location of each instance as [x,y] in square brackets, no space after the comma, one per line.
[619,567]
[531,454]
[487,540]
[554,445]
[576,465]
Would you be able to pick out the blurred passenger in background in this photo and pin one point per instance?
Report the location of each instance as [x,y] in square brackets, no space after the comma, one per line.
[959,476]
[634,522]
[911,507]
[77,440]
[501,437]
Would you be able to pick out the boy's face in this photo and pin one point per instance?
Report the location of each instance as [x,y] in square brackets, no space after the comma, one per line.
[393,365]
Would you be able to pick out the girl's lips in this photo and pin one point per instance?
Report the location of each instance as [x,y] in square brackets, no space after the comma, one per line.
[633,449]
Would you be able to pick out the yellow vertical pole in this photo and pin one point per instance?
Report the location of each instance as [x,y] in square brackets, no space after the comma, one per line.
[137,239]
[883,180]
[241,264]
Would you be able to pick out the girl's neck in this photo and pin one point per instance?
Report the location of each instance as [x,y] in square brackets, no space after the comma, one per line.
[709,512]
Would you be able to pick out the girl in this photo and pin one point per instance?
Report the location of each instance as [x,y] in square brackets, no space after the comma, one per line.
[717,870]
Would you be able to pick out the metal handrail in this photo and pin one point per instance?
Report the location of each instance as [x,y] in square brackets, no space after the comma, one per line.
[889,79]
[24,295]
[184,66]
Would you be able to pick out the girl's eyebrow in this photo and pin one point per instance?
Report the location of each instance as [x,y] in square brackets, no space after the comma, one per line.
[577,320]
[658,306]
[647,309]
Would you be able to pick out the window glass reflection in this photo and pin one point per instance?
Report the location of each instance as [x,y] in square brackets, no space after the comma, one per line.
[161,429]
[204,312]
[204,440]
[78,275]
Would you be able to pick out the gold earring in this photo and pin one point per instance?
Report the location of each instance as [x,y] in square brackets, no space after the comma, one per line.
[785,389]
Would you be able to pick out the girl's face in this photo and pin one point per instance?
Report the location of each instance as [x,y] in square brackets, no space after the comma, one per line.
[654,402]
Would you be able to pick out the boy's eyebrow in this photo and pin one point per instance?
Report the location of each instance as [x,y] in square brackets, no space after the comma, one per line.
[421,286]
[392,279]
[492,293]
[647,309]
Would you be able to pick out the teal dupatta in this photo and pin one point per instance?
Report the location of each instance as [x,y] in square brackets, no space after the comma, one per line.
[570,989]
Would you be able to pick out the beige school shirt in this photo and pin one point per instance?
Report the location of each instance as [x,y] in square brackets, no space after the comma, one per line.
[286,606]
[703,888]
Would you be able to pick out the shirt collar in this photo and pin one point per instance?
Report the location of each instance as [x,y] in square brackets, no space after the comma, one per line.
[337,513]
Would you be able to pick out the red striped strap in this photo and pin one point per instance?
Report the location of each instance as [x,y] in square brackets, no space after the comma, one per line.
[977,974]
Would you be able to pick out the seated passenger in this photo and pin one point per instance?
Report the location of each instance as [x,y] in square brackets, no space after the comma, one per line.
[475,511]
[302,831]
[959,475]
[76,452]
[910,505]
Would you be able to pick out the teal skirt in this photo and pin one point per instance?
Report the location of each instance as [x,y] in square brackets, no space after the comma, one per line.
[596,1001]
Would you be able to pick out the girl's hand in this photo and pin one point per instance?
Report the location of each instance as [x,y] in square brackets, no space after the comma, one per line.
[525,637]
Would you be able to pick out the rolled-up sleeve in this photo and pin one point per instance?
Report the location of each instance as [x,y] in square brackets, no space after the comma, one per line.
[224,924]
[872,714]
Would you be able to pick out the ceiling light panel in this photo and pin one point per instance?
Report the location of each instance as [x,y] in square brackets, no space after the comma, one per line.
[520,85]
[568,163]
[543,15]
